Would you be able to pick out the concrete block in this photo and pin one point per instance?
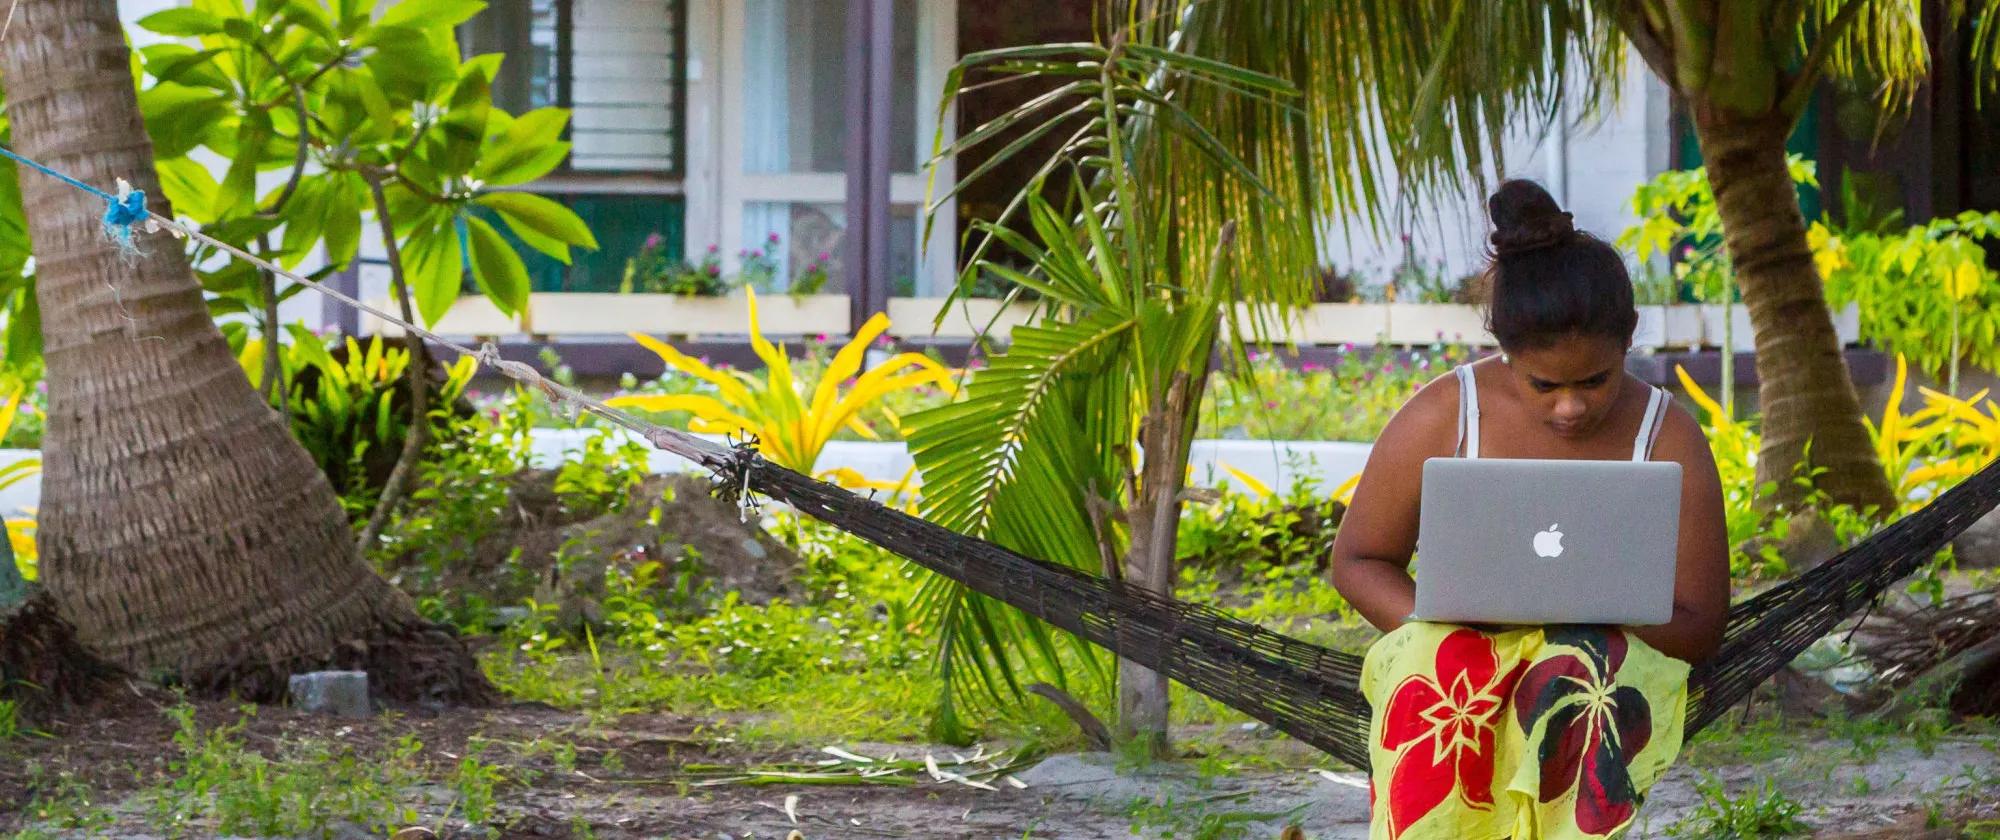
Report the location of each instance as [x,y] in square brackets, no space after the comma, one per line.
[338,693]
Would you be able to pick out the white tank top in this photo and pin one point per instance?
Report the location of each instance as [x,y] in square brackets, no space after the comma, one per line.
[1468,418]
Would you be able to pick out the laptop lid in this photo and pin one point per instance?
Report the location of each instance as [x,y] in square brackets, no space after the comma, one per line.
[1514,541]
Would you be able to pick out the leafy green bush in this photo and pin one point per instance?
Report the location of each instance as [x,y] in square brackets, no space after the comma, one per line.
[1352,400]
[1924,292]
[458,495]
[349,404]
[1258,532]
[1678,217]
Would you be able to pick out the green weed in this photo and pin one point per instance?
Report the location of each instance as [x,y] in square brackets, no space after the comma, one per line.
[1763,813]
[216,784]
[60,804]
[1199,819]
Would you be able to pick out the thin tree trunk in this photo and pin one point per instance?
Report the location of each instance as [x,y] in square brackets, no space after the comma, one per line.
[1804,389]
[272,384]
[417,374]
[1149,559]
[183,531]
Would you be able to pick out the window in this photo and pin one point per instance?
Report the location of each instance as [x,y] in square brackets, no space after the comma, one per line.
[784,126]
[795,86]
[617,64]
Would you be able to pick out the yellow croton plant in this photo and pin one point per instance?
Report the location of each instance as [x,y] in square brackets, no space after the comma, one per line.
[792,418]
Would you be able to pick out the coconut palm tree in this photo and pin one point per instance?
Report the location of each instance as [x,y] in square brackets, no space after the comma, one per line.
[1177,126]
[1442,79]
[182,530]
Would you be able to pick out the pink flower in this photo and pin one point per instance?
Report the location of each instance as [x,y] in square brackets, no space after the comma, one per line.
[821,338]
[773,237]
[654,240]
[714,248]
[714,270]
[823,256]
[1309,367]
[1272,404]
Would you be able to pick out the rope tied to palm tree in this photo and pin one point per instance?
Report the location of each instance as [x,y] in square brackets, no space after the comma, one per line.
[121,211]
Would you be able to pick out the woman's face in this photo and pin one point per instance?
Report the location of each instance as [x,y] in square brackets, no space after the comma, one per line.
[1571,385]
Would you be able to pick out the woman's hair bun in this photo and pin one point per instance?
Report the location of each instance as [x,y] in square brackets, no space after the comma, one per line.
[1526,218]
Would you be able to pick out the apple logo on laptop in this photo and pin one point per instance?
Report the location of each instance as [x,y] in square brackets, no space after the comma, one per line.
[1549,543]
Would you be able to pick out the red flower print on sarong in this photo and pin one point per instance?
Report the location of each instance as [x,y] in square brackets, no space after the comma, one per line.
[1442,730]
[1593,726]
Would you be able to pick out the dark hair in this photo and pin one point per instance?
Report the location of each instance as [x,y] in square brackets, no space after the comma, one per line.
[1546,279]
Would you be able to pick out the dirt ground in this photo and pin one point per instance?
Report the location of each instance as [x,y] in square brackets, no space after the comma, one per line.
[662,775]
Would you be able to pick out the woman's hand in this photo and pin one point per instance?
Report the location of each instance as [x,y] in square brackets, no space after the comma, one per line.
[1701,570]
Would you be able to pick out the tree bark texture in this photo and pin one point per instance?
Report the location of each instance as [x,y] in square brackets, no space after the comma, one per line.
[183,531]
[1804,389]
[1149,559]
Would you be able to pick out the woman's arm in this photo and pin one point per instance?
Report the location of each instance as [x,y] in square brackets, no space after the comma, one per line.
[1378,533]
[1701,571]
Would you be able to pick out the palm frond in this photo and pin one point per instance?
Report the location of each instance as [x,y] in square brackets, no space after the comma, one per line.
[1984,46]
[1879,43]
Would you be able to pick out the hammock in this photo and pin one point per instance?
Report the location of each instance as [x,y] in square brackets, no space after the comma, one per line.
[1305,690]
[1311,692]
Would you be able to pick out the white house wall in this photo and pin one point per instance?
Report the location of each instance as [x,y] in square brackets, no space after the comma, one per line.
[1591,169]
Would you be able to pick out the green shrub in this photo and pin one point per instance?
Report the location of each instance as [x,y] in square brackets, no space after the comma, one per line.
[1351,400]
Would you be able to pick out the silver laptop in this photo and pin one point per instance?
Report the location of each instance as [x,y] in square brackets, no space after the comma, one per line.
[1508,541]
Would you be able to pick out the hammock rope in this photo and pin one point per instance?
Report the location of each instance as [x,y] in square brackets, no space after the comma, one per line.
[1306,690]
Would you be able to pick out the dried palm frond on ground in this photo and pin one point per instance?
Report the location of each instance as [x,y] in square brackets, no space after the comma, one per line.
[42,667]
[1944,652]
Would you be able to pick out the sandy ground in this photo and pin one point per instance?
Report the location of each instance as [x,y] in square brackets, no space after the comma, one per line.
[652,787]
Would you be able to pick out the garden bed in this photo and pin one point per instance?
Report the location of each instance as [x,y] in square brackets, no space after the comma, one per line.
[1401,324]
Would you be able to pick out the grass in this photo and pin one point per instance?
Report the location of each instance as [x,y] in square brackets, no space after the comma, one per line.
[214,782]
[811,708]
[1764,812]
[1201,818]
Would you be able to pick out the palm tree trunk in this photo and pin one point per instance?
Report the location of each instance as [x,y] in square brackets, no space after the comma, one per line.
[1164,437]
[183,531]
[1804,389]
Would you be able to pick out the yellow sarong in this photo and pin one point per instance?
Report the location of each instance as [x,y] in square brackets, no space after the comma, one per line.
[1534,734]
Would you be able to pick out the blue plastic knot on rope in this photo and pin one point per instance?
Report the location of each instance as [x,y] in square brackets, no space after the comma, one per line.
[128,208]
[121,211]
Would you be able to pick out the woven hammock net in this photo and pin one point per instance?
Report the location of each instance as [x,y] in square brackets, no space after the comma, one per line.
[1311,692]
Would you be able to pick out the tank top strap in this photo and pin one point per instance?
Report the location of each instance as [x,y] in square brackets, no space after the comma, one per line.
[1468,413]
[1649,426]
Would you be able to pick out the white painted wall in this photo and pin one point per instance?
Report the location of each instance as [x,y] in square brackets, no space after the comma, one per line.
[1590,166]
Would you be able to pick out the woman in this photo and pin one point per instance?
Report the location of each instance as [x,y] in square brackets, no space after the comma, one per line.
[1529,732]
